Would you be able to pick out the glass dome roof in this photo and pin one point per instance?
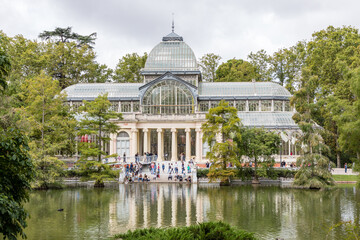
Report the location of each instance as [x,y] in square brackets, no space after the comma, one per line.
[172,54]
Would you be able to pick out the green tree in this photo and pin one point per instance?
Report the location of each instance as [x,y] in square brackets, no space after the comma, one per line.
[330,56]
[315,168]
[51,127]
[16,173]
[236,70]
[66,62]
[221,128]
[259,145]
[261,61]
[64,35]
[128,68]
[97,121]
[4,66]
[347,117]
[208,65]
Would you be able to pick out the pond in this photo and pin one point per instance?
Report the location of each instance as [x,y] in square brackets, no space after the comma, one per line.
[270,212]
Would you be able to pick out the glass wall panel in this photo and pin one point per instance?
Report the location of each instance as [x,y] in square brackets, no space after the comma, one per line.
[167,138]
[181,142]
[114,106]
[204,106]
[214,104]
[287,106]
[253,105]
[125,106]
[231,103]
[278,105]
[136,106]
[266,105]
[168,97]
[241,105]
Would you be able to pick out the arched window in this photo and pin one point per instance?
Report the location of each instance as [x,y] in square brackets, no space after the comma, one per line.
[168,97]
[123,144]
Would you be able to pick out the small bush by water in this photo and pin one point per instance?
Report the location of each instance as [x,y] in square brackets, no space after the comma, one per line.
[201,231]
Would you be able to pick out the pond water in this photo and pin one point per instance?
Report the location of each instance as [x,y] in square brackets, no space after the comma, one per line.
[270,212]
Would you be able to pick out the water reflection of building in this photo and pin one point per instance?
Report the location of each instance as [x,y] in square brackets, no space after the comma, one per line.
[164,114]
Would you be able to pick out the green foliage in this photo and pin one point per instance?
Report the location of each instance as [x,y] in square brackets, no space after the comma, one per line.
[128,68]
[261,61]
[314,171]
[208,65]
[16,173]
[4,65]
[201,231]
[352,230]
[236,70]
[202,172]
[50,126]
[68,62]
[95,121]
[95,170]
[324,86]
[65,35]
[259,145]
[221,129]
[49,171]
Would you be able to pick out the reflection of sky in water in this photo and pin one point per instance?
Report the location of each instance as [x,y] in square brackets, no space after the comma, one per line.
[270,212]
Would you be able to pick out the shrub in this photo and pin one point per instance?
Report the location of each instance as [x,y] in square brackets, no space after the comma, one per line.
[201,231]
[202,173]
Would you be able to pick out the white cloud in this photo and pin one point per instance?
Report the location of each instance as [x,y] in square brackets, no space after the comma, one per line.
[228,28]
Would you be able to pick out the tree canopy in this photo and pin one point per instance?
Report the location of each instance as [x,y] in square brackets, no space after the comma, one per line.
[236,70]
[66,35]
[259,145]
[208,65]
[96,121]
[128,68]
[221,130]
[16,173]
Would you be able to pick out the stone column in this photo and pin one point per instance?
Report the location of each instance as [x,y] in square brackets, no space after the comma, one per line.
[173,145]
[145,130]
[198,144]
[159,145]
[188,144]
[133,144]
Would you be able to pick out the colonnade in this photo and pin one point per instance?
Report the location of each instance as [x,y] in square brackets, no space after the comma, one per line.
[174,144]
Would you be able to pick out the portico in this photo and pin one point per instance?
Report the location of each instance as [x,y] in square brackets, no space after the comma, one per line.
[167,142]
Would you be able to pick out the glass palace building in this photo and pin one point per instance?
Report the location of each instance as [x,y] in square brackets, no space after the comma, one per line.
[164,114]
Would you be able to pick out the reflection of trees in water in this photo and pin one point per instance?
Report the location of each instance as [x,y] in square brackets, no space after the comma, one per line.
[269,211]
[247,207]
[82,208]
[317,212]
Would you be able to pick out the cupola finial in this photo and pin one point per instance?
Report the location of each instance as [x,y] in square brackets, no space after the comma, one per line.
[173,23]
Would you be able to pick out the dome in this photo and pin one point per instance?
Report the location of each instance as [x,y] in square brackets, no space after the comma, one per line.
[172,54]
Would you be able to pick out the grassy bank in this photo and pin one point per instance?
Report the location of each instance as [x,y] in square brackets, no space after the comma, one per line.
[201,231]
[345,177]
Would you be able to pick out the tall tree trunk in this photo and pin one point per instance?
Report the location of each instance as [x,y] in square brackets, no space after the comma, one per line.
[338,162]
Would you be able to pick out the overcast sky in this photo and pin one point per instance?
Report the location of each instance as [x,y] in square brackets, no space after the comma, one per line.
[231,29]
